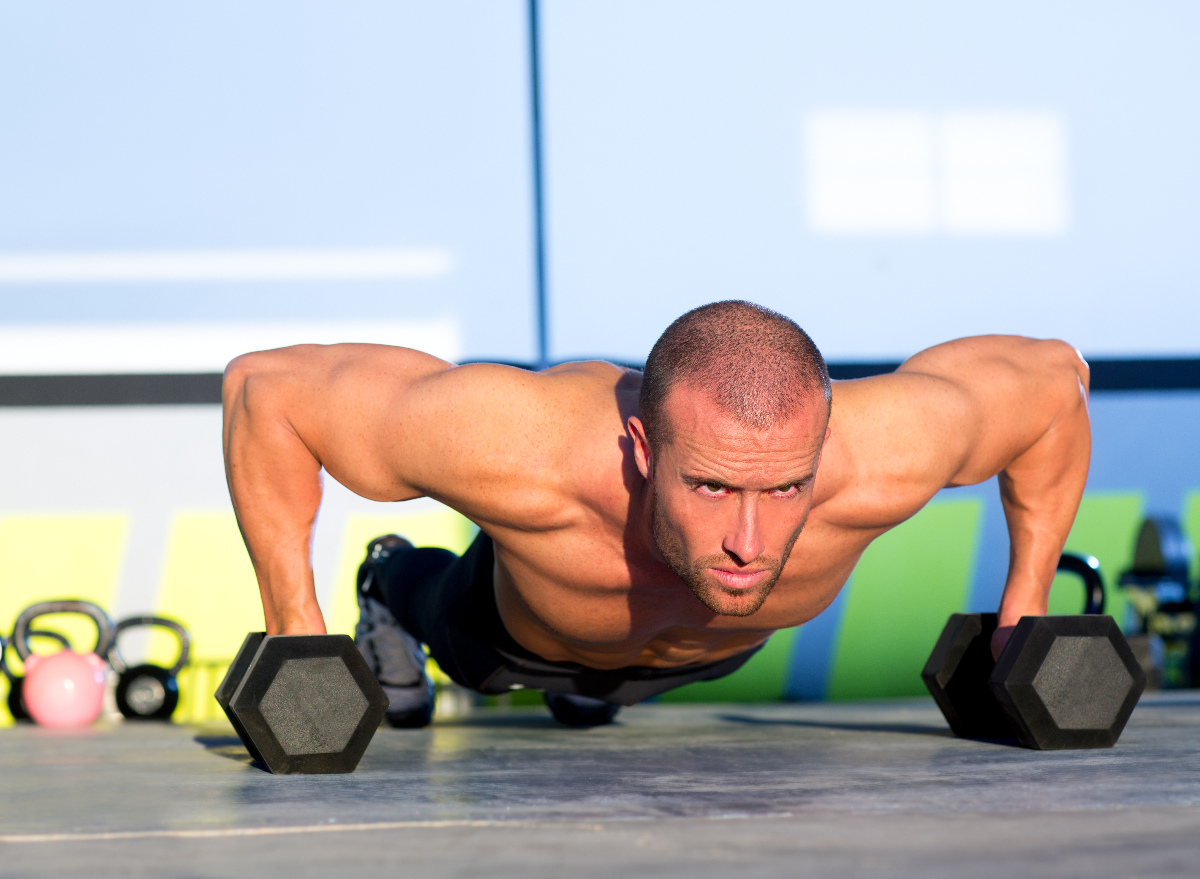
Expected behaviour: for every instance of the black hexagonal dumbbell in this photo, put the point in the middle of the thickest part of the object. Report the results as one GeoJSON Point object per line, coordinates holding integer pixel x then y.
{"type": "Point", "coordinates": [1061, 681]}
{"type": "Point", "coordinates": [302, 703]}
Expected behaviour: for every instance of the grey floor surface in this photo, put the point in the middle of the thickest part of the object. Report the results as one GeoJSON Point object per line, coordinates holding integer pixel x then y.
{"type": "Point", "coordinates": [877, 789]}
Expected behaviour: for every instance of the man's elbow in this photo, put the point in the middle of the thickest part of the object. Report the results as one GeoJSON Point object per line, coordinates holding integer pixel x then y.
{"type": "Point", "coordinates": [237, 372]}
{"type": "Point", "coordinates": [244, 371]}
{"type": "Point", "coordinates": [1068, 361]}
{"type": "Point", "coordinates": [1066, 370]}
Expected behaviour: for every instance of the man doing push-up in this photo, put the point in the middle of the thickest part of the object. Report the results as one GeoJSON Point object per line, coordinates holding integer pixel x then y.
{"type": "Point", "coordinates": [638, 530]}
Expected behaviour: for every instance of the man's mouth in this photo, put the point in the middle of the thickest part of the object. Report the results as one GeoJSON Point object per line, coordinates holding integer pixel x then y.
{"type": "Point", "coordinates": [738, 580]}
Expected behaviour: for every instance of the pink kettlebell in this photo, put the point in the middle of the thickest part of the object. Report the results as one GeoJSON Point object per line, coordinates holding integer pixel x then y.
{"type": "Point", "coordinates": [64, 688]}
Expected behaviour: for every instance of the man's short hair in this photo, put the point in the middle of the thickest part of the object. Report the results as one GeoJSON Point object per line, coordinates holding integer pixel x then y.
{"type": "Point", "coordinates": [754, 362]}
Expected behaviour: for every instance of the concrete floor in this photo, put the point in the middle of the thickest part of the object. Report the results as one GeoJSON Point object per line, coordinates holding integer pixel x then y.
{"type": "Point", "coordinates": [851, 790]}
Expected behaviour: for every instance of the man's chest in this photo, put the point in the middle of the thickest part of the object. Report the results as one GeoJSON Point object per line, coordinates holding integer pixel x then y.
{"type": "Point", "coordinates": [591, 595]}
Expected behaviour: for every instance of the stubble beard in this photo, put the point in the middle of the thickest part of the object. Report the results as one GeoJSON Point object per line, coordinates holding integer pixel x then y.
{"type": "Point", "coordinates": [708, 590]}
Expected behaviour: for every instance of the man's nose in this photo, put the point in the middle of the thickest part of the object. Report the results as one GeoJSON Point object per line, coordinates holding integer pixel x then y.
{"type": "Point", "coordinates": [745, 542]}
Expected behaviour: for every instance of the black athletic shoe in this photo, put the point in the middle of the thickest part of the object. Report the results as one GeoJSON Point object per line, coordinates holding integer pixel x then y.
{"type": "Point", "coordinates": [580, 711]}
{"type": "Point", "coordinates": [395, 656]}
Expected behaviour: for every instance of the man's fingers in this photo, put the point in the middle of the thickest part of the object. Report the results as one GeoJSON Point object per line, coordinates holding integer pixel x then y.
{"type": "Point", "coordinates": [999, 639]}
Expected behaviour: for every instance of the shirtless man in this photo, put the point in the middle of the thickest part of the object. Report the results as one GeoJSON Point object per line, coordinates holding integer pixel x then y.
{"type": "Point", "coordinates": [639, 531]}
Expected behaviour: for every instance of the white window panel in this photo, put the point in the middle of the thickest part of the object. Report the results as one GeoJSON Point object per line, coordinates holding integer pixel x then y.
{"type": "Point", "coordinates": [236, 265]}
{"type": "Point", "coordinates": [960, 173]}
{"type": "Point", "coordinates": [870, 172]}
{"type": "Point", "coordinates": [58, 349]}
{"type": "Point", "coordinates": [1003, 173]}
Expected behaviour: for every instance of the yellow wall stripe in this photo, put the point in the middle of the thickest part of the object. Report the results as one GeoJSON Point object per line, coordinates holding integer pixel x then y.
{"type": "Point", "coordinates": [50, 556]}
{"type": "Point", "coordinates": [208, 585]}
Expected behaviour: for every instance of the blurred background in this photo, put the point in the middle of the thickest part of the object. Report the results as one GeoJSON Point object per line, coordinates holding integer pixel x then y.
{"type": "Point", "coordinates": [182, 183]}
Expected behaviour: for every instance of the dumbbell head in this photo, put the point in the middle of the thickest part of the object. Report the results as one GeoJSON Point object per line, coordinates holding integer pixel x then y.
{"type": "Point", "coordinates": [957, 673]}
{"type": "Point", "coordinates": [303, 703]}
{"type": "Point", "coordinates": [229, 685]}
{"type": "Point", "coordinates": [1067, 681]}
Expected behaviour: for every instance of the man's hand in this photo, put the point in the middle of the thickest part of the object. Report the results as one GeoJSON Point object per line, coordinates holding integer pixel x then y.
{"type": "Point", "coordinates": [1000, 640]}
{"type": "Point", "coordinates": [1011, 613]}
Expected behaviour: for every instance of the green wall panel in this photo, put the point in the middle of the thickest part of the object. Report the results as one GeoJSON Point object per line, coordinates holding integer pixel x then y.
{"type": "Point", "coordinates": [1191, 524]}
{"type": "Point", "coordinates": [904, 587]}
{"type": "Point", "coordinates": [761, 679]}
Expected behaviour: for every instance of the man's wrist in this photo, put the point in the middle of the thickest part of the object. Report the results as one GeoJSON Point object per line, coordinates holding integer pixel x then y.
{"type": "Point", "coordinates": [297, 622]}
{"type": "Point", "coordinates": [1011, 612]}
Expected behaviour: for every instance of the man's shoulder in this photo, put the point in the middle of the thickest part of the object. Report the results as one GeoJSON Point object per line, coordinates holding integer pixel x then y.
{"type": "Point", "coordinates": [563, 427]}
{"type": "Point", "coordinates": [954, 414]}
{"type": "Point", "coordinates": [895, 441]}
{"type": "Point", "coordinates": [592, 397]}
{"type": "Point", "coordinates": [600, 375]}
{"type": "Point", "coordinates": [560, 399]}
{"type": "Point", "coordinates": [563, 380]}
{"type": "Point", "coordinates": [899, 409]}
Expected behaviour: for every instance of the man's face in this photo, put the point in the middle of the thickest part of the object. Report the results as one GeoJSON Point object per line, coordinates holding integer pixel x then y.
{"type": "Point", "coordinates": [729, 500]}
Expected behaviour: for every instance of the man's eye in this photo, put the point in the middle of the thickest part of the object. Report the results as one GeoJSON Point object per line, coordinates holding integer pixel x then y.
{"type": "Point", "coordinates": [713, 487]}
{"type": "Point", "coordinates": [789, 489]}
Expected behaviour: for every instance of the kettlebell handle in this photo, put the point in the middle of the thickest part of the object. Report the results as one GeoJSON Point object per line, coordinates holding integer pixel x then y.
{"type": "Point", "coordinates": [33, 633]}
{"type": "Point", "coordinates": [185, 642]}
{"type": "Point", "coordinates": [21, 632]}
{"type": "Point", "coordinates": [51, 636]}
{"type": "Point", "coordinates": [1087, 567]}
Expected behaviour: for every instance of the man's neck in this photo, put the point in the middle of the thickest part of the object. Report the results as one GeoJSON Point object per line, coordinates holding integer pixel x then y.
{"type": "Point", "coordinates": [639, 530]}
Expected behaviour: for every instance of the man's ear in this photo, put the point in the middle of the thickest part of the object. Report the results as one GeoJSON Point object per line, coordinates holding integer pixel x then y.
{"type": "Point", "coordinates": [641, 448]}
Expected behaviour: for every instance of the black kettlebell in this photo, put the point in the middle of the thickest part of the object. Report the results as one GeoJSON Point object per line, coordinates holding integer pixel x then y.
{"type": "Point", "coordinates": [1087, 568]}
{"type": "Point", "coordinates": [16, 707]}
{"type": "Point", "coordinates": [148, 692]}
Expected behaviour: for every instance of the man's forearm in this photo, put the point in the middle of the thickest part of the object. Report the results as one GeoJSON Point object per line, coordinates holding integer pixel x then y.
{"type": "Point", "coordinates": [275, 485]}
{"type": "Point", "coordinates": [1040, 491]}
{"type": "Point", "coordinates": [1036, 539]}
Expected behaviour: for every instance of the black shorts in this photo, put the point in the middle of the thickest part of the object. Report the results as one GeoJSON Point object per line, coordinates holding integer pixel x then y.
{"type": "Point", "coordinates": [449, 603]}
